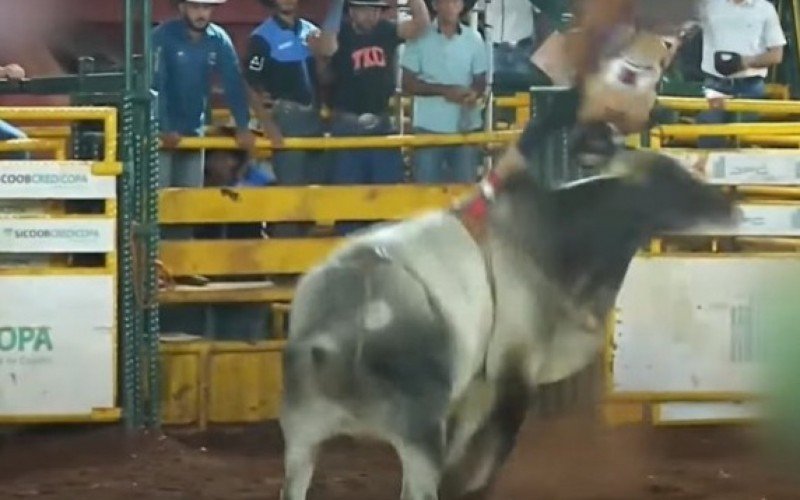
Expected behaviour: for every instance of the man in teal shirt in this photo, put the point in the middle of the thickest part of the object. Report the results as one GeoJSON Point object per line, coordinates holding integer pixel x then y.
{"type": "Point", "coordinates": [445, 70]}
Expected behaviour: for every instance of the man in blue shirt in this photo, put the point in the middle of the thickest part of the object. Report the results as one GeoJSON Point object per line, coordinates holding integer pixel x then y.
{"type": "Point", "coordinates": [280, 69]}
{"type": "Point", "coordinates": [188, 51]}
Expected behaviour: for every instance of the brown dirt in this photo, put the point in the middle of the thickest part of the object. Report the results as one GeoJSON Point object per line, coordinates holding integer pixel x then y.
{"type": "Point", "coordinates": [557, 459]}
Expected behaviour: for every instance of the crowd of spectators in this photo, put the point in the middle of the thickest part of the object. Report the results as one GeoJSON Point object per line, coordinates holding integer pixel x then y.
{"type": "Point", "coordinates": [358, 58]}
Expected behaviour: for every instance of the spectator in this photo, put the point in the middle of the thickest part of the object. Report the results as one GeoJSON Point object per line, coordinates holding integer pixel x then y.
{"type": "Point", "coordinates": [234, 168]}
{"type": "Point", "coordinates": [445, 69]}
{"type": "Point", "coordinates": [361, 71]}
{"type": "Point", "coordinates": [8, 132]}
{"type": "Point", "coordinates": [187, 51]}
{"type": "Point", "coordinates": [741, 40]}
{"type": "Point", "coordinates": [226, 168]}
{"type": "Point", "coordinates": [512, 29]}
{"type": "Point", "coordinates": [283, 89]}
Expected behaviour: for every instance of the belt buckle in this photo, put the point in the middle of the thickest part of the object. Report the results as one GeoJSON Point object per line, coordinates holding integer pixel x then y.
{"type": "Point", "coordinates": [368, 120]}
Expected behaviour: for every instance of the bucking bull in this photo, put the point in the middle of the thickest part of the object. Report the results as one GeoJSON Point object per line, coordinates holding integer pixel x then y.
{"type": "Point", "coordinates": [433, 333]}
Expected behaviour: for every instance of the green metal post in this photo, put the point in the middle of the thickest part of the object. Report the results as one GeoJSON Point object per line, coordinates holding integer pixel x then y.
{"type": "Point", "coordinates": [130, 326]}
{"type": "Point", "coordinates": [150, 184]}
{"type": "Point", "coordinates": [129, 309]}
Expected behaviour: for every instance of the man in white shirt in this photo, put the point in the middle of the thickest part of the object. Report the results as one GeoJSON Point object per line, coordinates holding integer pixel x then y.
{"type": "Point", "coordinates": [510, 24]}
{"type": "Point", "coordinates": [742, 39]}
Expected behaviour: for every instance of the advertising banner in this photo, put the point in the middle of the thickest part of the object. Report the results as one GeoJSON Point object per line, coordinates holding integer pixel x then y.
{"type": "Point", "coordinates": [45, 179]}
{"type": "Point", "coordinates": [773, 167]}
{"type": "Point", "coordinates": [701, 325]}
{"type": "Point", "coordinates": [756, 220]}
{"type": "Point", "coordinates": [41, 235]}
{"type": "Point", "coordinates": [56, 345]}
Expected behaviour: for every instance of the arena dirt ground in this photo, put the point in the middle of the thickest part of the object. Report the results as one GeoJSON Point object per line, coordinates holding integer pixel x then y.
{"type": "Point", "coordinates": [556, 459]}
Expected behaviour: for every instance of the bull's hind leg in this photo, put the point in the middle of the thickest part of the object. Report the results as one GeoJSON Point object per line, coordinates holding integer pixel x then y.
{"type": "Point", "coordinates": [304, 428]}
{"type": "Point", "coordinates": [422, 459]}
{"type": "Point", "coordinates": [300, 454]}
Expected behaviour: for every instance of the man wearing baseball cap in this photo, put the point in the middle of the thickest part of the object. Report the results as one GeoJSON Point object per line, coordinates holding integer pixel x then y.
{"type": "Point", "coordinates": [361, 71]}
{"type": "Point", "coordinates": [188, 50]}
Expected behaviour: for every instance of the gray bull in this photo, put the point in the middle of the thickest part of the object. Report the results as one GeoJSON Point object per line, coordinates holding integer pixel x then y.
{"type": "Point", "coordinates": [431, 335]}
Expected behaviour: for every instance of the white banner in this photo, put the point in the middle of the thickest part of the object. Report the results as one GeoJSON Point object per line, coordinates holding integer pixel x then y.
{"type": "Point", "coordinates": [756, 220]}
{"type": "Point", "coordinates": [702, 412]}
{"type": "Point", "coordinates": [35, 235]}
{"type": "Point", "coordinates": [56, 345]}
{"type": "Point", "coordinates": [773, 167]}
{"type": "Point", "coordinates": [701, 324]}
{"type": "Point", "coordinates": [45, 179]}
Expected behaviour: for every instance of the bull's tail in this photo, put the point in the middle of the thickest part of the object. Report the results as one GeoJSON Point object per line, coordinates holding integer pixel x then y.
{"type": "Point", "coordinates": [318, 365]}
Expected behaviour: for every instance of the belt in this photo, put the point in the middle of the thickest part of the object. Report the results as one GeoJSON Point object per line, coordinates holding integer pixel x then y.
{"type": "Point", "coordinates": [292, 105]}
{"type": "Point", "coordinates": [728, 79]}
{"type": "Point", "coordinates": [366, 120]}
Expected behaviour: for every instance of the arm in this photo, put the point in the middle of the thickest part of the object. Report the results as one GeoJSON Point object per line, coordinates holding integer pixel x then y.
{"type": "Point", "coordinates": [412, 84]}
{"type": "Point", "coordinates": [160, 79]}
{"type": "Point", "coordinates": [324, 67]}
{"type": "Point", "coordinates": [419, 22]}
{"type": "Point", "coordinates": [480, 67]}
{"type": "Point", "coordinates": [257, 60]}
{"type": "Point", "coordinates": [772, 37]}
{"type": "Point", "coordinates": [326, 45]}
{"type": "Point", "coordinates": [233, 84]}
{"type": "Point", "coordinates": [772, 57]}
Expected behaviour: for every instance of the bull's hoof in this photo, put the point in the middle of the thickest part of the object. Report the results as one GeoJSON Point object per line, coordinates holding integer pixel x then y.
{"type": "Point", "coordinates": [481, 494]}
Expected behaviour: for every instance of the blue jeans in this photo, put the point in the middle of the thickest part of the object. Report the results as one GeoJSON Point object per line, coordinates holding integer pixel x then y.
{"type": "Point", "coordinates": [9, 132]}
{"type": "Point", "coordinates": [363, 166]}
{"type": "Point", "coordinates": [445, 164]}
{"type": "Point", "coordinates": [296, 167]}
{"type": "Point", "coordinates": [746, 88]}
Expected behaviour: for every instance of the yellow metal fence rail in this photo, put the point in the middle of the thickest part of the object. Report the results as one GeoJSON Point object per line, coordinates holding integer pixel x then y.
{"type": "Point", "coordinates": [108, 115]}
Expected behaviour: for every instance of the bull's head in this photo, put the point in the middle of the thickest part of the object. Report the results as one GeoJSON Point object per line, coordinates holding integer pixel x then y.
{"type": "Point", "coordinates": [597, 224]}
{"type": "Point", "coordinates": [584, 235]}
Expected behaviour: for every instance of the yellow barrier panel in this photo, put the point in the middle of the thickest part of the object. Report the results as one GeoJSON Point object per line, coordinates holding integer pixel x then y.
{"type": "Point", "coordinates": [312, 203]}
{"type": "Point", "coordinates": [108, 115]}
{"type": "Point", "coordinates": [789, 244]}
{"type": "Point", "coordinates": [725, 129]}
{"type": "Point", "coordinates": [788, 141]}
{"type": "Point", "coordinates": [47, 132]}
{"type": "Point", "coordinates": [217, 293]}
{"type": "Point", "coordinates": [237, 257]}
{"type": "Point", "coordinates": [520, 101]}
{"type": "Point", "coordinates": [390, 141]}
{"type": "Point", "coordinates": [57, 147]}
{"type": "Point", "coordinates": [780, 194]}
{"type": "Point", "coordinates": [762, 106]}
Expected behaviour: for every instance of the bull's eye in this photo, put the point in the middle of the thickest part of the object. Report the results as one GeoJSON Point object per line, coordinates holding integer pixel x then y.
{"type": "Point", "coordinates": [627, 76]}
